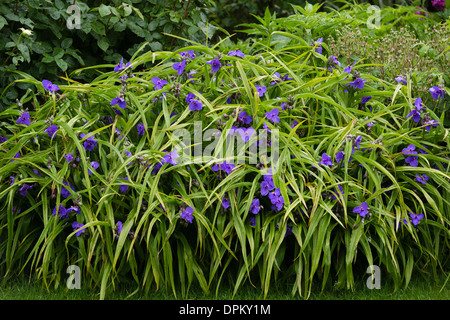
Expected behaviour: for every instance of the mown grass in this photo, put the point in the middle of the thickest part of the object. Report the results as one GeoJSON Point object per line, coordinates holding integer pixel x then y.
{"type": "Point", "coordinates": [420, 288]}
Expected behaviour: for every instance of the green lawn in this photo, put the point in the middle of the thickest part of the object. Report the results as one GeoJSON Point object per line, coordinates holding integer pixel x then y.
{"type": "Point", "coordinates": [419, 289]}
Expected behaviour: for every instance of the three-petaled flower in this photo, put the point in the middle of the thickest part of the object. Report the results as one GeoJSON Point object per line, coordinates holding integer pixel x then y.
{"type": "Point", "coordinates": [326, 160]}
{"type": "Point", "coordinates": [401, 79]}
{"type": "Point", "coordinates": [319, 47]}
{"type": "Point", "coordinates": [215, 65]}
{"type": "Point", "coordinates": [236, 53]}
{"type": "Point", "coordinates": [436, 92]}
{"type": "Point", "coordinates": [195, 105]}
{"type": "Point", "coordinates": [224, 166]}
{"type": "Point", "coordinates": [261, 90]}
{"type": "Point", "coordinates": [411, 160]}
{"type": "Point", "coordinates": [24, 189]}
{"type": "Point", "coordinates": [423, 178]}
{"type": "Point", "coordinates": [357, 83]}
{"type": "Point", "coordinates": [363, 209]}
{"type": "Point", "coordinates": [51, 131]}
{"type": "Point", "coordinates": [24, 119]}
{"type": "Point", "coordinates": [273, 115]}
{"type": "Point", "coordinates": [187, 214]}
{"type": "Point", "coordinates": [79, 227]}
{"type": "Point", "coordinates": [158, 83]}
{"type": "Point", "coordinates": [179, 67]}
{"type": "Point", "coordinates": [121, 67]}
{"type": "Point", "coordinates": [48, 85]}
{"type": "Point", "coordinates": [119, 101]}
{"type": "Point", "coordinates": [89, 144]}
{"type": "Point", "coordinates": [255, 206]}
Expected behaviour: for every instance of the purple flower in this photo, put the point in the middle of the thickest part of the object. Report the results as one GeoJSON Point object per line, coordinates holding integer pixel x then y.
{"type": "Point", "coordinates": [119, 226]}
{"type": "Point", "coordinates": [430, 123]}
{"type": "Point", "coordinates": [438, 4]}
{"type": "Point", "coordinates": [418, 104]}
{"type": "Point", "coordinates": [334, 60]}
{"type": "Point", "coordinates": [358, 83]}
{"type": "Point", "coordinates": [79, 227]}
{"type": "Point", "coordinates": [140, 129]}
{"type": "Point", "coordinates": [187, 214]}
{"type": "Point", "coordinates": [277, 78]}
{"type": "Point", "coordinates": [276, 199]}
{"type": "Point", "coordinates": [69, 157]}
{"type": "Point", "coordinates": [356, 143]}
{"type": "Point", "coordinates": [94, 166]}
{"type": "Point", "coordinates": [224, 166]}
{"type": "Point", "coordinates": [170, 157]}
{"type": "Point", "coordinates": [334, 196]}
{"type": "Point", "coordinates": [365, 99]}
{"type": "Point", "coordinates": [187, 54]}
{"type": "Point", "coordinates": [274, 195]}
{"type": "Point", "coordinates": [61, 211]}
{"type": "Point", "coordinates": [51, 131]}
{"type": "Point", "coordinates": [326, 160]}
{"type": "Point", "coordinates": [267, 185]}
{"type": "Point", "coordinates": [413, 161]}
{"type": "Point", "coordinates": [159, 83]}
{"type": "Point", "coordinates": [436, 92]}
{"type": "Point", "coordinates": [245, 118]}
{"type": "Point", "coordinates": [246, 134]}
{"type": "Point", "coordinates": [64, 192]}
{"type": "Point", "coordinates": [252, 220]}
{"type": "Point", "coordinates": [273, 115]}
{"type": "Point", "coordinates": [123, 187]}
{"type": "Point", "coordinates": [415, 218]}
{"type": "Point", "coordinates": [255, 207]}
{"type": "Point", "coordinates": [409, 149]}
{"type": "Point", "coordinates": [236, 53]}
{"type": "Point", "coordinates": [74, 209]}
{"type": "Point", "coordinates": [415, 114]}
{"type": "Point", "coordinates": [423, 178]}
{"type": "Point", "coordinates": [120, 66]}
{"type": "Point", "coordinates": [215, 65]}
{"type": "Point", "coordinates": [195, 105]}
{"type": "Point", "coordinates": [49, 86]}
{"type": "Point", "coordinates": [363, 209]}
{"type": "Point", "coordinates": [319, 48]}
{"type": "Point", "coordinates": [190, 96]}
{"type": "Point", "coordinates": [120, 101]}
{"type": "Point", "coordinates": [340, 156]}
{"type": "Point", "coordinates": [179, 67]}
{"type": "Point", "coordinates": [12, 180]}
{"type": "Point", "coordinates": [24, 189]}
{"type": "Point", "coordinates": [24, 119]}
{"type": "Point", "coordinates": [349, 68]}
{"type": "Point", "coordinates": [3, 139]}
{"type": "Point", "coordinates": [225, 202]}
{"type": "Point", "coordinates": [401, 79]}
{"type": "Point", "coordinates": [261, 90]}
{"type": "Point", "coordinates": [89, 144]}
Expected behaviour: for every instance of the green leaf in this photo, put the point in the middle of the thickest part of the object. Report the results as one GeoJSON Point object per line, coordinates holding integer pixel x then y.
{"type": "Point", "coordinates": [3, 22]}
{"type": "Point", "coordinates": [103, 43]}
{"type": "Point", "coordinates": [104, 10]}
{"type": "Point", "coordinates": [66, 43]}
{"type": "Point", "coordinates": [98, 27]}
{"type": "Point", "coordinates": [61, 64]}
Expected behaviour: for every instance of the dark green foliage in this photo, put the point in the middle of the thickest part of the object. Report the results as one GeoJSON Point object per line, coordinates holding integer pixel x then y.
{"type": "Point", "coordinates": [108, 32]}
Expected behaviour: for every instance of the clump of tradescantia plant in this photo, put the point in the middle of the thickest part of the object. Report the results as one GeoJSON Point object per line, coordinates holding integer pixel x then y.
{"type": "Point", "coordinates": [93, 174]}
